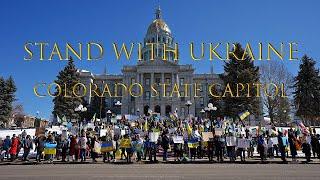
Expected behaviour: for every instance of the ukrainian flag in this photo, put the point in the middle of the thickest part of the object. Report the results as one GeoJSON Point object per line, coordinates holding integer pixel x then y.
{"type": "Point", "coordinates": [50, 148]}
{"type": "Point", "coordinates": [106, 146]}
{"type": "Point", "coordinates": [243, 115]}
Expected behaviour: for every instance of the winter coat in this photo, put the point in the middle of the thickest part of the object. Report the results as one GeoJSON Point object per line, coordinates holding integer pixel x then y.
{"type": "Point", "coordinates": [14, 146]}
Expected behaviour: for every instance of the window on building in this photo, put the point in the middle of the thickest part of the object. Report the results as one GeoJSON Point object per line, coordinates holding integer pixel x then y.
{"type": "Point", "coordinates": [147, 95]}
{"type": "Point", "coordinates": [158, 80]}
{"type": "Point", "coordinates": [168, 80]}
{"type": "Point", "coordinates": [201, 101]}
{"type": "Point", "coordinates": [182, 96]}
{"type": "Point", "coordinates": [133, 80]}
{"type": "Point", "coordinates": [181, 81]}
{"type": "Point", "coordinates": [183, 111]}
{"type": "Point", "coordinates": [147, 81]}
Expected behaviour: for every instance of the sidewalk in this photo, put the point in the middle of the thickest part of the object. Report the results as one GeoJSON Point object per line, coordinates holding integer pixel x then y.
{"type": "Point", "coordinates": [254, 160]}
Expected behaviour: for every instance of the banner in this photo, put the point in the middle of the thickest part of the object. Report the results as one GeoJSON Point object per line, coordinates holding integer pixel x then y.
{"type": "Point", "coordinates": [231, 141]}
{"type": "Point", "coordinates": [207, 136]}
{"type": "Point", "coordinates": [106, 146]}
{"type": "Point", "coordinates": [178, 139]}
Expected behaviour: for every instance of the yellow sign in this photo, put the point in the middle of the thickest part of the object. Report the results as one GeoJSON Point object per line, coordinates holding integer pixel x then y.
{"type": "Point", "coordinates": [125, 143]}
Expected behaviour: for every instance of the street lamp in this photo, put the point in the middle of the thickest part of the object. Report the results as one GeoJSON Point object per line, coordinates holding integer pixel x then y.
{"type": "Point", "coordinates": [80, 109]}
{"type": "Point", "coordinates": [188, 104]}
{"type": "Point", "coordinates": [118, 104]}
{"type": "Point", "coordinates": [138, 112]}
{"type": "Point", "coordinates": [211, 109]}
{"type": "Point", "coordinates": [109, 115]}
{"type": "Point", "coordinates": [202, 113]}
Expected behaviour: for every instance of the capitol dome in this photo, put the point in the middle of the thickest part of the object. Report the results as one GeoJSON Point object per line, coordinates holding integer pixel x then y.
{"type": "Point", "coordinates": [158, 25]}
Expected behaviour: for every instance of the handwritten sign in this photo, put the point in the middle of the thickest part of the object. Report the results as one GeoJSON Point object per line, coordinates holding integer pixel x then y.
{"type": "Point", "coordinates": [154, 136]}
{"type": "Point", "coordinates": [218, 131]}
{"type": "Point", "coordinates": [231, 141]}
{"type": "Point", "coordinates": [275, 140]}
{"type": "Point", "coordinates": [243, 143]}
{"type": "Point", "coordinates": [178, 139]}
{"type": "Point", "coordinates": [206, 136]}
{"type": "Point", "coordinates": [125, 143]}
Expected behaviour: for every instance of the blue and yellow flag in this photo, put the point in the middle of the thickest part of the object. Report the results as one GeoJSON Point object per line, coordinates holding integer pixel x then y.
{"type": "Point", "coordinates": [243, 115]}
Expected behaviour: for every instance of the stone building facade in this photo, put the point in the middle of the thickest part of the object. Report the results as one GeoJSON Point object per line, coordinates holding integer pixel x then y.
{"type": "Point", "coordinates": [148, 72]}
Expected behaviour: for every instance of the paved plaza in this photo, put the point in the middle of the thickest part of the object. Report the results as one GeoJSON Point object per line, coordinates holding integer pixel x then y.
{"type": "Point", "coordinates": [161, 171]}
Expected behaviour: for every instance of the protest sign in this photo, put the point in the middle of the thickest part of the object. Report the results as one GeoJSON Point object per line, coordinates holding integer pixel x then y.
{"type": "Point", "coordinates": [231, 141]}
{"type": "Point", "coordinates": [193, 144]}
{"type": "Point", "coordinates": [275, 140]}
{"type": "Point", "coordinates": [206, 136]}
{"type": "Point", "coordinates": [243, 143]}
{"type": "Point", "coordinates": [218, 131]}
{"type": "Point", "coordinates": [123, 132]}
{"type": "Point", "coordinates": [125, 143]}
{"type": "Point", "coordinates": [178, 139]}
{"type": "Point", "coordinates": [154, 136]}
{"type": "Point", "coordinates": [97, 147]}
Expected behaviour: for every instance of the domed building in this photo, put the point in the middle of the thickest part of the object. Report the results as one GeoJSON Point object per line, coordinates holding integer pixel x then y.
{"type": "Point", "coordinates": [156, 71]}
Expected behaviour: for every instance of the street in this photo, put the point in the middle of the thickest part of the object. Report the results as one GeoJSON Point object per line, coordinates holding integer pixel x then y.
{"type": "Point", "coordinates": [160, 171]}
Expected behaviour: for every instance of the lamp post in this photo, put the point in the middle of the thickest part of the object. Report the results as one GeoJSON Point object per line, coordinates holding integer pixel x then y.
{"type": "Point", "coordinates": [211, 109]}
{"type": "Point", "coordinates": [81, 109]}
{"type": "Point", "coordinates": [188, 104]}
{"type": "Point", "coordinates": [109, 116]}
{"type": "Point", "coordinates": [138, 112]}
{"type": "Point", "coordinates": [202, 113]}
{"type": "Point", "coordinates": [118, 104]}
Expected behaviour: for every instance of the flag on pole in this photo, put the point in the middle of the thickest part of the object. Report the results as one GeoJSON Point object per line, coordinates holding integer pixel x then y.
{"type": "Point", "coordinates": [243, 115]}
{"type": "Point", "coordinates": [93, 118]}
{"type": "Point", "coordinates": [189, 129]}
{"type": "Point", "coordinates": [64, 118]}
{"type": "Point", "coordinates": [58, 119]}
{"type": "Point", "coordinates": [146, 126]}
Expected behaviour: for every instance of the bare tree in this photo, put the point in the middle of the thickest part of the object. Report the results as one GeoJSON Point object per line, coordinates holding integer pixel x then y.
{"type": "Point", "coordinates": [276, 107]}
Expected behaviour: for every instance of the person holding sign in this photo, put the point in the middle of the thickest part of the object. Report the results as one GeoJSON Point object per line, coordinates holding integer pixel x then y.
{"type": "Point", "coordinates": [231, 146]}
{"type": "Point", "coordinates": [242, 145]}
{"type": "Point", "coordinates": [106, 148]}
{"type": "Point", "coordinates": [165, 144]}
{"type": "Point", "coordinates": [125, 145]}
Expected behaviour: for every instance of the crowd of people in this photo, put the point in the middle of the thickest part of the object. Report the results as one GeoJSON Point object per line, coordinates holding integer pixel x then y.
{"type": "Point", "coordinates": [147, 139]}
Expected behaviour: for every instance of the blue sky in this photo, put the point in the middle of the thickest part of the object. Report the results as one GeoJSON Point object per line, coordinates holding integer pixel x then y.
{"type": "Point", "coordinates": [127, 21]}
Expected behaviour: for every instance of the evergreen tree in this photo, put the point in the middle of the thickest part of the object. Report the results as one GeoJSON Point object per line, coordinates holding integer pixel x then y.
{"type": "Point", "coordinates": [241, 71]}
{"type": "Point", "coordinates": [65, 105]}
{"type": "Point", "coordinates": [98, 106]}
{"type": "Point", "coordinates": [7, 97]}
{"type": "Point", "coordinates": [307, 90]}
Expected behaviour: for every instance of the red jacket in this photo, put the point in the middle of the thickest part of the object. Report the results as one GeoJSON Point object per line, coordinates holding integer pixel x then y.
{"type": "Point", "coordinates": [14, 146]}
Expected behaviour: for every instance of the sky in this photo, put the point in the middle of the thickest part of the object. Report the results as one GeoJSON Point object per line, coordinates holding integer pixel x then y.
{"type": "Point", "coordinates": [127, 21]}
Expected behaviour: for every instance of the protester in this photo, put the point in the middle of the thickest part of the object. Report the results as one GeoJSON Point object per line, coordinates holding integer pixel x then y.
{"type": "Point", "coordinates": [27, 146]}
{"type": "Point", "coordinates": [83, 147]}
{"type": "Point", "coordinates": [15, 143]}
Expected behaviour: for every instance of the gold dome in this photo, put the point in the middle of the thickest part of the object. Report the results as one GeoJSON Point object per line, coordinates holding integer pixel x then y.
{"type": "Point", "coordinates": [158, 25]}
